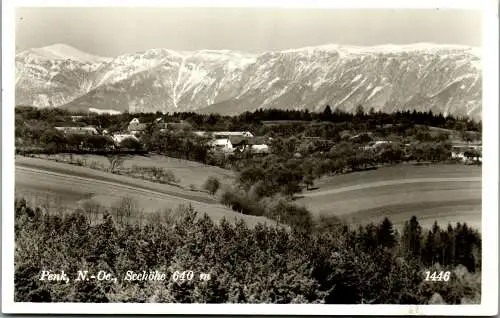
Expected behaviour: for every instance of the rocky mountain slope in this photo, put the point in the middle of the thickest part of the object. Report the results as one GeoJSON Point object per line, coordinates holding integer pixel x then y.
{"type": "Point", "coordinates": [444, 79]}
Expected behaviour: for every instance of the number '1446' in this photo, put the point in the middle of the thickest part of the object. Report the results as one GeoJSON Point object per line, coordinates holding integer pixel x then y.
{"type": "Point", "coordinates": [437, 276]}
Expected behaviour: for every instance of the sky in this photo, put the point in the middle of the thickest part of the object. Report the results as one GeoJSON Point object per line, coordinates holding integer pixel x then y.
{"type": "Point", "coordinates": [111, 31]}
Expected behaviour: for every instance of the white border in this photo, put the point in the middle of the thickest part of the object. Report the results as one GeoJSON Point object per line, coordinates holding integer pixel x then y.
{"type": "Point", "coordinates": [338, 4]}
{"type": "Point", "coordinates": [489, 304]}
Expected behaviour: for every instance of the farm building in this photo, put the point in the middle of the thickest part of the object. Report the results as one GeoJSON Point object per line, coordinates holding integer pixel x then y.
{"type": "Point", "coordinates": [223, 134]}
{"type": "Point", "coordinates": [230, 143]}
{"type": "Point", "coordinates": [136, 127]}
{"type": "Point", "coordinates": [89, 130]}
{"type": "Point", "coordinates": [239, 143]}
{"type": "Point", "coordinates": [223, 145]}
{"type": "Point", "coordinates": [258, 145]}
{"type": "Point", "coordinates": [233, 133]}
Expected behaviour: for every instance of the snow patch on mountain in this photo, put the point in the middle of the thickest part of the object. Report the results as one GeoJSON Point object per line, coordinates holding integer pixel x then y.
{"type": "Point", "coordinates": [374, 91]}
{"type": "Point", "coordinates": [61, 51]}
{"type": "Point", "coordinates": [355, 79]}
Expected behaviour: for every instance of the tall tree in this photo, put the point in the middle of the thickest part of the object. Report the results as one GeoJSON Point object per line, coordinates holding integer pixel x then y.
{"type": "Point", "coordinates": [432, 250]}
{"type": "Point", "coordinates": [360, 111]}
{"type": "Point", "coordinates": [412, 238]}
{"type": "Point", "coordinates": [327, 113]}
{"type": "Point", "coordinates": [385, 234]}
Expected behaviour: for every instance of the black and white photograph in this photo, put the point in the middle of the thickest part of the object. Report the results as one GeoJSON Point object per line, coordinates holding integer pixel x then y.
{"type": "Point", "coordinates": [264, 155]}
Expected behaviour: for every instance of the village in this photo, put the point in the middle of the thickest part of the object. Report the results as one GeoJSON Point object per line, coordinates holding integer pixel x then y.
{"type": "Point", "coordinates": [232, 142]}
{"type": "Point", "coordinates": [226, 142]}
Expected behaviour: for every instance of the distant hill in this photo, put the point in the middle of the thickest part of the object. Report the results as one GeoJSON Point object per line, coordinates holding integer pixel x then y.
{"type": "Point", "coordinates": [442, 78]}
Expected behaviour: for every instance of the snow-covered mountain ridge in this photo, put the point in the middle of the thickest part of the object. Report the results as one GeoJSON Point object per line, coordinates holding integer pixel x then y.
{"type": "Point", "coordinates": [422, 76]}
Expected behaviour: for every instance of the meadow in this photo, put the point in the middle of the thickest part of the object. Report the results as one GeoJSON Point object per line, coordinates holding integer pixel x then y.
{"type": "Point", "coordinates": [60, 185]}
{"type": "Point", "coordinates": [446, 193]}
{"type": "Point", "coordinates": [188, 172]}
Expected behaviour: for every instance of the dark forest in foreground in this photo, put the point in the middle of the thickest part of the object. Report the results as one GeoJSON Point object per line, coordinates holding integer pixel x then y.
{"type": "Point", "coordinates": [326, 263]}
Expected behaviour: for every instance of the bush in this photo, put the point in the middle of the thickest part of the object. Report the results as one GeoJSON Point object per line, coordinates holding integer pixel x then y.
{"type": "Point", "coordinates": [212, 184]}
{"type": "Point", "coordinates": [131, 144]}
{"type": "Point", "coordinates": [115, 162]}
{"type": "Point", "coordinates": [169, 176]}
{"type": "Point", "coordinates": [257, 191]}
{"type": "Point", "coordinates": [240, 202]}
{"type": "Point", "coordinates": [298, 217]}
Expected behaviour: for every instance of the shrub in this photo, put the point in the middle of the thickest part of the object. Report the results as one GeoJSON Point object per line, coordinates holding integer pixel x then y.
{"type": "Point", "coordinates": [240, 202]}
{"type": "Point", "coordinates": [131, 144]}
{"type": "Point", "coordinates": [115, 162]}
{"type": "Point", "coordinates": [169, 176]}
{"type": "Point", "coordinates": [257, 191]}
{"type": "Point", "coordinates": [298, 217]}
{"type": "Point", "coordinates": [212, 184]}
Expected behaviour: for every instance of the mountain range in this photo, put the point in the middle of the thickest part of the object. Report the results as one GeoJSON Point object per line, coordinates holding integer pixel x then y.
{"type": "Point", "coordinates": [442, 78]}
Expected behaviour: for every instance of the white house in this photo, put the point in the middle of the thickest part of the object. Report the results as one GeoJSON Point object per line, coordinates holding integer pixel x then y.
{"type": "Point", "coordinates": [223, 145]}
{"type": "Point", "coordinates": [136, 127]}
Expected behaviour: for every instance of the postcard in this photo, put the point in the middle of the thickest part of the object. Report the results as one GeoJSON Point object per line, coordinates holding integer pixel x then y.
{"type": "Point", "coordinates": [250, 157]}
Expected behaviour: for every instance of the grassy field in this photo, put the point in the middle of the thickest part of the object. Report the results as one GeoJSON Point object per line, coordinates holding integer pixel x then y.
{"type": "Point", "coordinates": [446, 193]}
{"type": "Point", "coordinates": [188, 172]}
{"type": "Point", "coordinates": [59, 184]}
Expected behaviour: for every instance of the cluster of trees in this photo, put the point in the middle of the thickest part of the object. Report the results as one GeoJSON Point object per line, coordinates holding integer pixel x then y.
{"type": "Point", "coordinates": [54, 141]}
{"type": "Point", "coordinates": [295, 164]}
{"type": "Point", "coordinates": [330, 263]}
{"type": "Point", "coordinates": [177, 144]}
{"type": "Point", "coordinates": [256, 202]}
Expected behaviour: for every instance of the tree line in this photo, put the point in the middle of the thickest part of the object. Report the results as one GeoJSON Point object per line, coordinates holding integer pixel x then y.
{"type": "Point", "coordinates": [253, 121]}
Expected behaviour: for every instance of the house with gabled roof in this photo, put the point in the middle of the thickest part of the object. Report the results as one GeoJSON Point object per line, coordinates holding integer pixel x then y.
{"type": "Point", "coordinates": [136, 127]}
{"type": "Point", "coordinates": [223, 134]}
